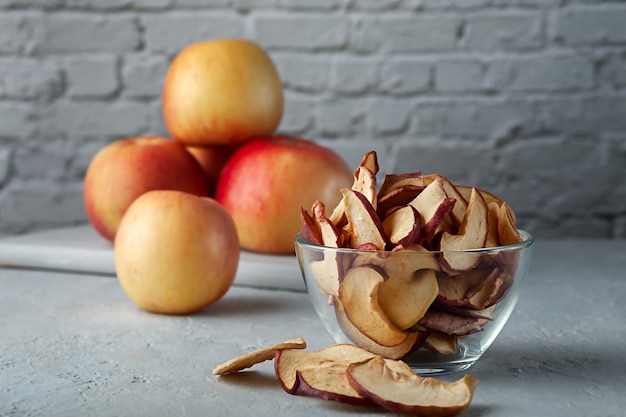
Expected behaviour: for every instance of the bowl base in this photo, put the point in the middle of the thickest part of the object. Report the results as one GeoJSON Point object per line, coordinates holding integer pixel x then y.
{"type": "Point", "coordinates": [425, 369]}
{"type": "Point", "coordinates": [427, 363]}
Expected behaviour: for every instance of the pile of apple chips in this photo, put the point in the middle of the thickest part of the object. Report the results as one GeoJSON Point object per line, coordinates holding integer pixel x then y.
{"type": "Point", "coordinates": [350, 374]}
{"type": "Point", "coordinates": [430, 286]}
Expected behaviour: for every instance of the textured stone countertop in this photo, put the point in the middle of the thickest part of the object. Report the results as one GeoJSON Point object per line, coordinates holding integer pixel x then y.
{"type": "Point", "coordinates": [72, 344]}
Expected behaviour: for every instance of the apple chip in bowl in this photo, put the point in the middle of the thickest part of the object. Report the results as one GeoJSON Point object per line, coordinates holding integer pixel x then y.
{"type": "Point", "coordinates": [418, 269]}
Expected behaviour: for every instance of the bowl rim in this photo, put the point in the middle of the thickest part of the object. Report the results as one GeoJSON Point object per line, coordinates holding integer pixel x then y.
{"type": "Point", "coordinates": [527, 241]}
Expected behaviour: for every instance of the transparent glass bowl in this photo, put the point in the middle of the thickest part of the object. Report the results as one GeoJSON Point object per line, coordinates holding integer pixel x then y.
{"type": "Point", "coordinates": [467, 312]}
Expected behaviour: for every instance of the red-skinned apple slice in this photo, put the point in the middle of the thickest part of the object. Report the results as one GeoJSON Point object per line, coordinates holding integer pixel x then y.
{"type": "Point", "coordinates": [487, 292]}
{"type": "Point", "coordinates": [370, 161]}
{"type": "Point", "coordinates": [451, 324]}
{"type": "Point", "coordinates": [403, 226]}
{"type": "Point", "coordinates": [329, 234]}
{"type": "Point", "coordinates": [309, 228]}
{"type": "Point", "coordinates": [455, 289]}
{"type": "Point", "coordinates": [486, 313]}
{"type": "Point", "coordinates": [458, 212]}
{"type": "Point", "coordinates": [362, 180]}
{"type": "Point", "coordinates": [472, 235]}
{"type": "Point", "coordinates": [413, 341]}
{"type": "Point", "coordinates": [394, 386]}
{"type": "Point", "coordinates": [398, 197]}
{"type": "Point", "coordinates": [359, 296]}
{"type": "Point", "coordinates": [363, 222]}
{"type": "Point", "coordinates": [321, 373]}
{"type": "Point", "coordinates": [434, 206]}
{"type": "Point", "coordinates": [395, 181]}
{"type": "Point", "coordinates": [288, 363]}
{"type": "Point", "coordinates": [441, 343]}
{"type": "Point", "coordinates": [365, 183]}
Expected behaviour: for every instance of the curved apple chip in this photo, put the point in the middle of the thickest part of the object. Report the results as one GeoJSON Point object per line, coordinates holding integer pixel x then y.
{"type": "Point", "coordinates": [260, 355]}
{"type": "Point", "coordinates": [394, 386]}
{"type": "Point", "coordinates": [309, 228]}
{"type": "Point", "coordinates": [441, 343]}
{"type": "Point", "coordinates": [507, 232]}
{"type": "Point", "coordinates": [397, 197]}
{"type": "Point", "coordinates": [393, 182]}
{"type": "Point", "coordinates": [365, 183]}
{"type": "Point", "coordinates": [321, 373]}
{"type": "Point", "coordinates": [412, 342]}
{"type": "Point", "coordinates": [363, 222]}
{"type": "Point", "coordinates": [403, 226]}
{"type": "Point", "coordinates": [472, 235]}
{"type": "Point", "coordinates": [406, 297]}
{"type": "Point", "coordinates": [358, 293]}
{"type": "Point", "coordinates": [434, 205]}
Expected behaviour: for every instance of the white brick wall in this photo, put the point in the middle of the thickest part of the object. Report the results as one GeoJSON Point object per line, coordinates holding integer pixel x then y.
{"type": "Point", "coordinates": [524, 97]}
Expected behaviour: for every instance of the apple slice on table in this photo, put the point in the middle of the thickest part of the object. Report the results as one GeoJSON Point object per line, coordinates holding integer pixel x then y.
{"type": "Point", "coordinates": [472, 235]}
{"type": "Point", "coordinates": [412, 342]}
{"type": "Point", "coordinates": [394, 386]}
{"type": "Point", "coordinates": [363, 225]}
{"type": "Point", "coordinates": [321, 373]}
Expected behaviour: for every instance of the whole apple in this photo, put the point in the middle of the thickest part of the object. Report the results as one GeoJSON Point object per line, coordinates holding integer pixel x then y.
{"type": "Point", "coordinates": [175, 252]}
{"type": "Point", "coordinates": [268, 180]}
{"type": "Point", "coordinates": [123, 170]}
{"type": "Point", "coordinates": [222, 92]}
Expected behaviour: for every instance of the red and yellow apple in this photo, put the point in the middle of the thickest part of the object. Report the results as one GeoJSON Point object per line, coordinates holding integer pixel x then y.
{"type": "Point", "coordinates": [175, 252]}
{"type": "Point", "coordinates": [268, 180]}
{"type": "Point", "coordinates": [222, 92]}
{"type": "Point", "coordinates": [123, 170]}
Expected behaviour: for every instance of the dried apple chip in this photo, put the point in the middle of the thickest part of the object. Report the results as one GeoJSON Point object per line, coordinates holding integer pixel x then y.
{"type": "Point", "coordinates": [472, 235]}
{"type": "Point", "coordinates": [321, 373]}
{"type": "Point", "coordinates": [260, 355]}
{"type": "Point", "coordinates": [394, 386]}
{"type": "Point", "coordinates": [358, 293]}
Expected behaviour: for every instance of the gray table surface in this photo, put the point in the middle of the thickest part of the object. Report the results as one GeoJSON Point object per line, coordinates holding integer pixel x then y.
{"type": "Point", "coordinates": [74, 345]}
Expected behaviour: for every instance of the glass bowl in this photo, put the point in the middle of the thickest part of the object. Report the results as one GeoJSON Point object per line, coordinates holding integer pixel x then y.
{"type": "Point", "coordinates": [411, 305]}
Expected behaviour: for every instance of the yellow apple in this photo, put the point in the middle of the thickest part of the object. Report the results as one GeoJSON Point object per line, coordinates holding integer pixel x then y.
{"type": "Point", "coordinates": [123, 170]}
{"type": "Point", "coordinates": [222, 92]}
{"type": "Point", "coordinates": [268, 180]}
{"type": "Point", "coordinates": [175, 252]}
